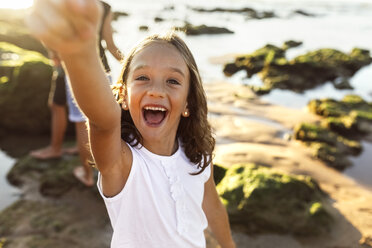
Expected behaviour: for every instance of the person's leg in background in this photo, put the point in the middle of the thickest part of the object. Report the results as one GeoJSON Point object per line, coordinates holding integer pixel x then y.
{"type": "Point", "coordinates": [83, 172]}
{"type": "Point", "coordinates": [57, 105]}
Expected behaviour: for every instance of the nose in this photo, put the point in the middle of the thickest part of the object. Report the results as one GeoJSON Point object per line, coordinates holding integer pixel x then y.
{"type": "Point", "coordinates": [157, 90]}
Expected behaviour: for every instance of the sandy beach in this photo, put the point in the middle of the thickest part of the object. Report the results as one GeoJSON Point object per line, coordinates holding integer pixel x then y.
{"type": "Point", "coordinates": [250, 130]}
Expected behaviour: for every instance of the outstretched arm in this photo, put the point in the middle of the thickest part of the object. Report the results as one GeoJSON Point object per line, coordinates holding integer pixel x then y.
{"type": "Point", "coordinates": [216, 214]}
{"type": "Point", "coordinates": [70, 28]}
{"type": "Point", "coordinates": [107, 34]}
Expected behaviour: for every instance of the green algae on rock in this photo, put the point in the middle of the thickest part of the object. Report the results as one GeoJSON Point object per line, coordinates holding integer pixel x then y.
{"type": "Point", "coordinates": [26, 90]}
{"type": "Point", "coordinates": [190, 29]}
{"type": "Point", "coordinates": [350, 117]}
{"type": "Point", "coordinates": [254, 62]}
{"type": "Point", "coordinates": [328, 146]}
{"type": "Point", "coordinates": [264, 200]}
{"type": "Point", "coordinates": [251, 13]}
{"type": "Point", "coordinates": [303, 72]}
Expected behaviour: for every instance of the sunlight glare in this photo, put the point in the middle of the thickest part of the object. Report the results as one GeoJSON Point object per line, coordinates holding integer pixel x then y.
{"type": "Point", "coordinates": [15, 4]}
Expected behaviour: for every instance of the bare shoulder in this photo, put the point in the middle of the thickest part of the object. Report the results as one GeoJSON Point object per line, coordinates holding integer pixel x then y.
{"type": "Point", "coordinates": [114, 181]}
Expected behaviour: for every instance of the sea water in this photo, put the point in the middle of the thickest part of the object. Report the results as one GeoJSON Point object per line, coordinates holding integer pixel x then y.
{"type": "Point", "coordinates": [8, 193]}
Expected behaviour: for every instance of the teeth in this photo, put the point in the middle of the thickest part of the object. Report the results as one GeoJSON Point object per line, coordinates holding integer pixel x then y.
{"type": "Point", "coordinates": [155, 108]}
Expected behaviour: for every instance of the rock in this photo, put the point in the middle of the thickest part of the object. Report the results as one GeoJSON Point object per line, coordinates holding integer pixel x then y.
{"type": "Point", "coordinates": [330, 155]}
{"type": "Point", "coordinates": [254, 62]}
{"type": "Point", "coordinates": [54, 176]}
{"type": "Point", "coordinates": [303, 72]}
{"type": "Point", "coordinates": [117, 14]}
{"type": "Point", "coordinates": [25, 90]}
{"type": "Point", "coordinates": [350, 117]}
{"type": "Point", "coordinates": [45, 224]}
{"type": "Point", "coordinates": [158, 19]}
{"type": "Point", "coordinates": [342, 84]}
{"type": "Point", "coordinates": [312, 69]}
{"type": "Point", "coordinates": [291, 44]}
{"type": "Point", "coordinates": [264, 200]}
{"type": "Point", "coordinates": [169, 7]}
{"type": "Point", "coordinates": [260, 90]}
{"type": "Point", "coordinates": [143, 28]}
{"type": "Point", "coordinates": [251, 13]}
{"type": "Point", "coordinates": [327, 145]}
{"type": "Point", "coordinates": [304, 13]}
{"type": "Point", "coordinates": [190, 29]}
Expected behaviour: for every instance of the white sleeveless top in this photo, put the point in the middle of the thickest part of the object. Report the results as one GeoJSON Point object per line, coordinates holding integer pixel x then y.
{"type": "Point", "coordinates": [160, 205]}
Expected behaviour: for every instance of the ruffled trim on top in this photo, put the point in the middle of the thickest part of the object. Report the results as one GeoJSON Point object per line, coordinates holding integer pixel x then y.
{"type": "Point", "coordinates": [178, 194]}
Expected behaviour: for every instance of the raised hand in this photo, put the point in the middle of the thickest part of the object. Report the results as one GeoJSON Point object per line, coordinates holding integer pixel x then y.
{"type": "Point", "coordinates": [69, 27]}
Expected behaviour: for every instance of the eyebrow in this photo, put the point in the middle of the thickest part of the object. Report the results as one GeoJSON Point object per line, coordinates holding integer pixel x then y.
{"type": "Point", "coordinates": [175, 69]}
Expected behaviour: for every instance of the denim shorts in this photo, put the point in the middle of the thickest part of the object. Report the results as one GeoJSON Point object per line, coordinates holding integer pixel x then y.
{"type": "Point", "coordinates": [74, 112]}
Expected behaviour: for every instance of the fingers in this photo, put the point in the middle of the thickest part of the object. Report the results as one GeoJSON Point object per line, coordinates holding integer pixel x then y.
{"type": "Point", "coordinates": [68, 19]}
{"type": "Point", "coordinates": [87, 15]}
{"type": "Point", "coordinates": [38, 28]}
{"type": "Point", "coordinates": [55, 22]}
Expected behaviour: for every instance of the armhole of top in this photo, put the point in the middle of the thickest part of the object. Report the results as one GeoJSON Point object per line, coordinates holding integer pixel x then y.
{"type": "Point", "coordinates": [127, 184]}
{"type": "Point", "coordinates": [207, 173]}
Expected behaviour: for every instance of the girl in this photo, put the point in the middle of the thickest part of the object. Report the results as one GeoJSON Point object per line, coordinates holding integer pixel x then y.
{"type": "Point", "coordinates": [154, 152]}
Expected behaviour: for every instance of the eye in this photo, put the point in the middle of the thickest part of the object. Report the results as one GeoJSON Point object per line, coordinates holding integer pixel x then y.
{"type": "Point", "coordinates": [173, 81]}
{"type": "Point", "coordinates": [142, 78]}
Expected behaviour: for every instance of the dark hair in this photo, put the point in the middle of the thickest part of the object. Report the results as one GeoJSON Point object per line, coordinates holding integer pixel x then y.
{"type": "Point", "coordinates": [194, 131]}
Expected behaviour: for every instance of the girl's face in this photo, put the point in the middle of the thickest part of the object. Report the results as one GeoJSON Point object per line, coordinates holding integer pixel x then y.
{"type": "Point", "coordinates": [157, 90]}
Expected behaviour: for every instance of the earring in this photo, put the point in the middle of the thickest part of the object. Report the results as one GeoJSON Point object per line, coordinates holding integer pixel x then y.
{"type": "Point", "coordinates": [125, 105]}
{"type": "Point", "coordinates": [186, 113]}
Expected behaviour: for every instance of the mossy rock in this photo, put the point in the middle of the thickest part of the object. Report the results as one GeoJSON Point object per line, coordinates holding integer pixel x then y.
{"type": "Point", "coordinates": [350, 117]}
{"type": "Point", "coordinates": [291, 44]}
{"type": "Point", "coordinates": [26, 90]}
{"type": "Point", "coordinates": [249, 12]}
{"type": "Point", "coordinates": [254, 62]}
{"type": "Point", "coordinates": [330, 154]}
{"type": "Point", "coordinates": [264, 200]}
{"type": "Point", "coordinates": [327, 145]}
{"type": "Point", "coordinates": [54, 176]}
{"type": "Point", "coordinates": [315, 68]}
{"type": "Point", "coordinates": [304, 72]}
{"type": "Point", "coordinates": [190, 29]}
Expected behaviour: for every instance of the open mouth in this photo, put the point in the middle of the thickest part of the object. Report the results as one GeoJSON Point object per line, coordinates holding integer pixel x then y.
{"type": "Point", "coordinates": [154, 116]}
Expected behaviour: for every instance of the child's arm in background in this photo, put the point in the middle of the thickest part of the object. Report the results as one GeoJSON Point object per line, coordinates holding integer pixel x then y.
{"type": "Point", "coordinates": [70, 27]}
{"type": "Point", "coordinates": [216, 214]}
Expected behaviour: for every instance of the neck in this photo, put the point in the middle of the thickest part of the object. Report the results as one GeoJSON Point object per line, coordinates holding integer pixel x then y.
{"type": "Point", "coordinates": [162, 148]}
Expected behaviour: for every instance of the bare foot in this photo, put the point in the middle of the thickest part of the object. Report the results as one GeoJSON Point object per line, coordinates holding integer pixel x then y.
{"type": "Point", "coordinates": [46, 153]}
{"type": "Point", "coordinates": [71, 150]}
{"type": "Point", "coordinates": [81, 175]}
